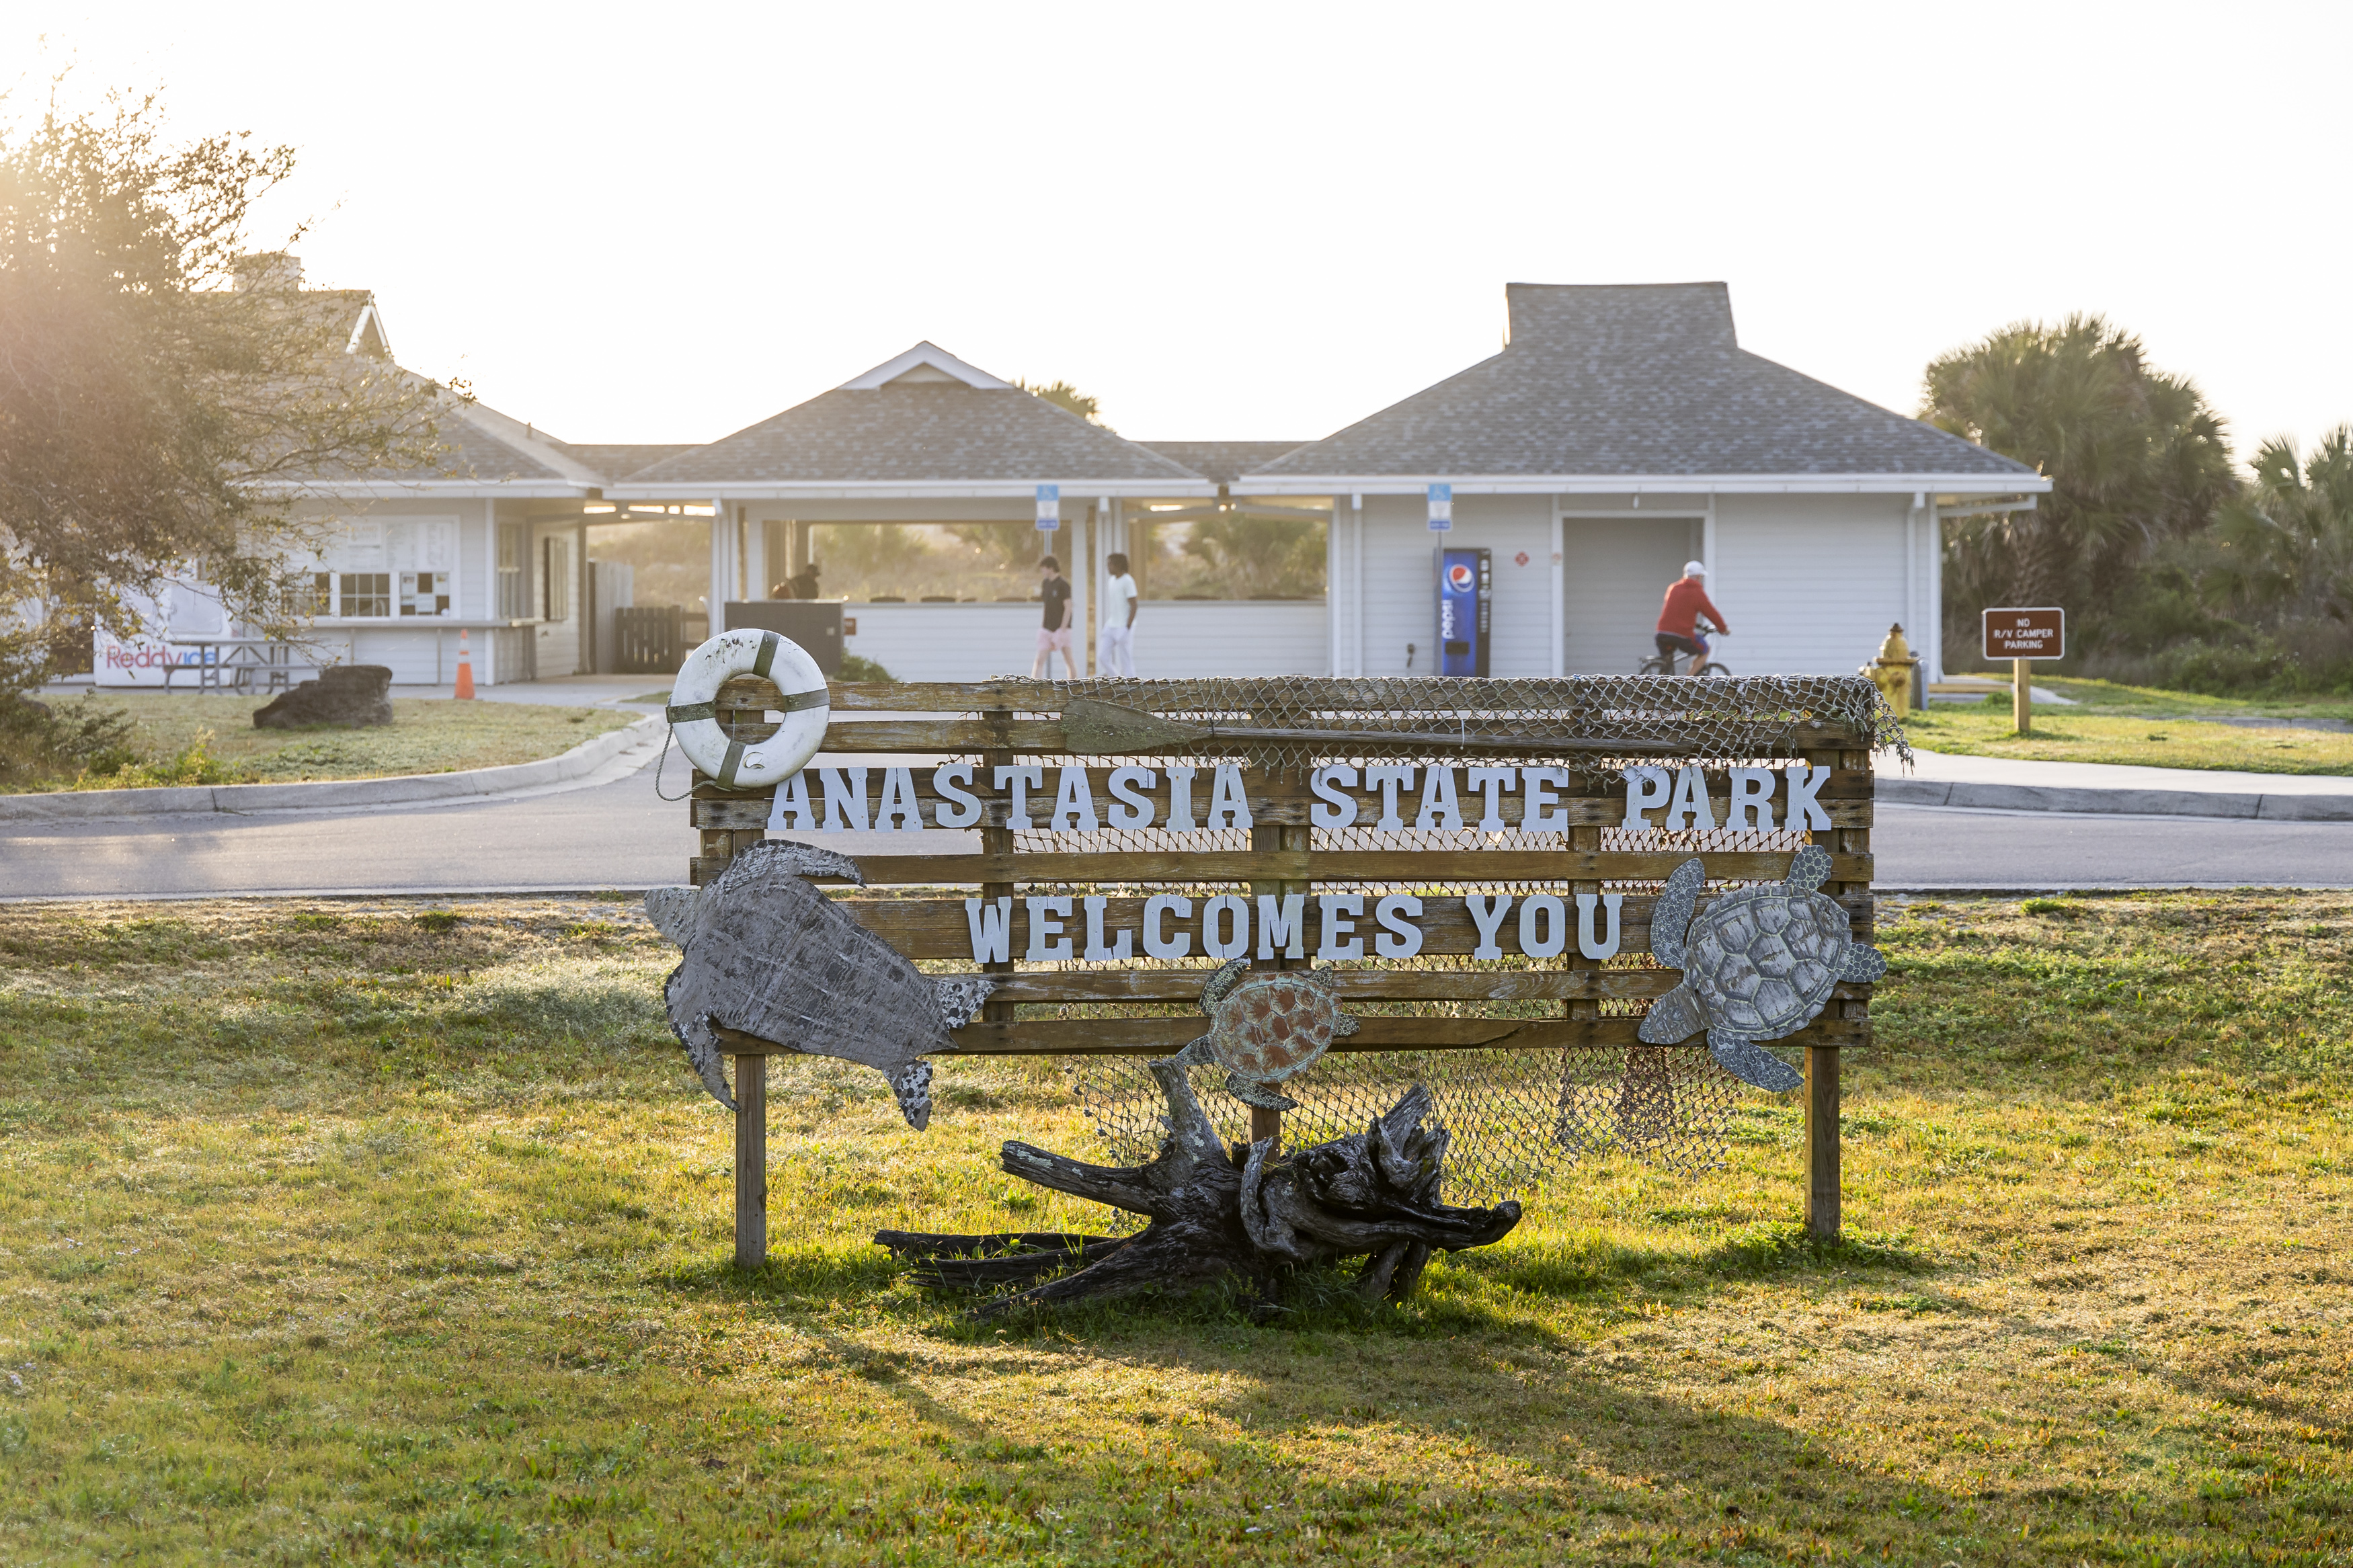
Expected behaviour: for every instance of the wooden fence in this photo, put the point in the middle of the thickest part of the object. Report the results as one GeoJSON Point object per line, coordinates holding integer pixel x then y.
{"type": "Point", "coordinates": [647, 640]}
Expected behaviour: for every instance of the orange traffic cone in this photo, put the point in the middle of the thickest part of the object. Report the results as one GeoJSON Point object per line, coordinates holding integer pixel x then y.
{"type": "Point", "coordinates": [465, 666]}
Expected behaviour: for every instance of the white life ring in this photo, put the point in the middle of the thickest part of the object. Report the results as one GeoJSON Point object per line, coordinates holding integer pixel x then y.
{"type": "Point", "coordinates": [694, 719]}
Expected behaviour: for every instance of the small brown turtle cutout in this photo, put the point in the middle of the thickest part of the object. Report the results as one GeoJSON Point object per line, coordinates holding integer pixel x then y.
{"type": "Point", "coordinates": [1265, 1028]}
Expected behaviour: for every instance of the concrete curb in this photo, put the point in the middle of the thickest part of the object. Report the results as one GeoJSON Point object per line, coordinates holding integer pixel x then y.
{"type": "Point", "coordinates": [2242, 806]}
{"type": "Point", "coordinates": [81, 806]}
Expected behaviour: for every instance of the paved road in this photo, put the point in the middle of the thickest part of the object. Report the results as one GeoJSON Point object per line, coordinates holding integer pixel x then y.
{"type": "Point", "coordinates": [620, 834]}
{"type": "Point", "coordinates": [616, 835]}
{"type": "Point", "coordinates": [1929, 847]}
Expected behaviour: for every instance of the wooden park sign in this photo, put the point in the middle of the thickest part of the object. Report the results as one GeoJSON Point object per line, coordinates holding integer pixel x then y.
{"type": "Point", "coordinates": [1449, 855]}
{"type": "Point", "coordinates": [2021, 636]}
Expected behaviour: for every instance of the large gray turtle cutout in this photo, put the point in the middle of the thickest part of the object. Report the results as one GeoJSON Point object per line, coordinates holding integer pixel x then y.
{"type": "Point", "coordinates": [1759, 964]}
{"type": "Point", "coordinates": [769, 954]}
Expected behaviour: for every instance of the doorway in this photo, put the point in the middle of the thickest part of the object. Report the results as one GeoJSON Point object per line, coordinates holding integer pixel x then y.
{"type": "Point", "coordinates": [1614, 573]}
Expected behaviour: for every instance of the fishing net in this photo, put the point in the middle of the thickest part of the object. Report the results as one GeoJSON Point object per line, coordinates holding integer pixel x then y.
{"type": "Point", "coordinates": [1516, 1117]}
{"type": "Point", "coordinates": [1750, 717]}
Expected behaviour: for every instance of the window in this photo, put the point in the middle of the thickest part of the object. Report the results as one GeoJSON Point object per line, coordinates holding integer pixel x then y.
{"type": "Point", "coordinates": [364, 593]}
{"type": "Point", "coordinates": [311, 594]}
{"type": "Point", "coordinates": [514, 574]}
{"type": "Point", "coordinates": [382, 566]}
{"type": "Point", "coordinates": [1269, 554]}
{"type": "Point", "coordinates": [555, 578]}
{"type": "Point", "coordinates": [425, 592]}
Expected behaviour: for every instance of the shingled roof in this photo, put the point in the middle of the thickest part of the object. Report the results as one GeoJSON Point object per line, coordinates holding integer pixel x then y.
{"type": "Point", "coordinates": [1223, 462]}
{"type": "Point", "coordinates": [620, 459]}
{"type": "Point", "coordinates": [1634, 380]}
{"type": "Point", "coordinates": [924, 417]}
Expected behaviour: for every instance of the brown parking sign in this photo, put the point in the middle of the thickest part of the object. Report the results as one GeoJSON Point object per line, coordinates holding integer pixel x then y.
{"type": "Point", "coordinates": [2026, 633]}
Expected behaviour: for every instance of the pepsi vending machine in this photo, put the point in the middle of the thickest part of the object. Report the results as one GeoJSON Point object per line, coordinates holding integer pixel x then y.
{"type": "Point", "coordinates": [1466, 580]}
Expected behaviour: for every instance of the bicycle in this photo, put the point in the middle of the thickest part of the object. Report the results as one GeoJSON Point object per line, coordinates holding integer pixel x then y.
{"type": "Point", "coordinates": [1664, 663]}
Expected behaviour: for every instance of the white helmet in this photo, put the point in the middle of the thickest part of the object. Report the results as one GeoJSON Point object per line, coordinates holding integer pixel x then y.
{"type": "Point", "coordinates": [1695, 569]}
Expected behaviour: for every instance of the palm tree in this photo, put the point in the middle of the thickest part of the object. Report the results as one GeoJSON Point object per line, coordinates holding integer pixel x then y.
{"type": "Point", "coordinates": [2284, 551]}
{"type": "Point", "coordinates": [2135, 457]}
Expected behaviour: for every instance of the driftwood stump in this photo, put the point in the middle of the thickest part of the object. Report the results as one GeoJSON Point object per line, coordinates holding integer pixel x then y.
{"type": "Point", "coordinates": [1247, 1212]}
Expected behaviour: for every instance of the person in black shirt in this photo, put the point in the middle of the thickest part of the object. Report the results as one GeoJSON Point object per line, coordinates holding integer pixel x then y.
{"type": "Point", "coordinates": [1055, 634]}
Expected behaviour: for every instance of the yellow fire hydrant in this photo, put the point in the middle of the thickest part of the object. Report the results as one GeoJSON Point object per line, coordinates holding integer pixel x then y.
{"type": "Point", "coordinates": [1896, 673]}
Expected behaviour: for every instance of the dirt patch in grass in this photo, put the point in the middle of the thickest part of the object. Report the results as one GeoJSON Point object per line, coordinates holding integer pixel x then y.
{"type": "Point", "coordinates": [397, 1232]}
{"type": "Point", "coordinates": [186, 738]}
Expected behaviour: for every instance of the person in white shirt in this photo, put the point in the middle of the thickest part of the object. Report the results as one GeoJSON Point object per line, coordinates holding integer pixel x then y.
{"type": "Point", "coordinates": [1116, 649]}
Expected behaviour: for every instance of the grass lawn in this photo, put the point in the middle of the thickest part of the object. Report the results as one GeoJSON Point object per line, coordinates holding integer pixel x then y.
{"type": "Point", "coordinates": [426, 736]}
{"type": "Point", "coordinates": [2155, 702]}
{"type": "Point", "coordinates": [393, 1233]}
{"type": "Point", "coordinates": [2110, 732]}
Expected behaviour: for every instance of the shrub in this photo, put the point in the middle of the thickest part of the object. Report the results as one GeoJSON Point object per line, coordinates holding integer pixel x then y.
{"type": "Point", "coordinates": [40, 741]}
{"type": "Point", "coordinates": [856, 666]}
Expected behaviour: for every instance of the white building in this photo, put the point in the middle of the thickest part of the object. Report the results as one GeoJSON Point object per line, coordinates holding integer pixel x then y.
{"type": "Point", "coordinates": [1620, 431]}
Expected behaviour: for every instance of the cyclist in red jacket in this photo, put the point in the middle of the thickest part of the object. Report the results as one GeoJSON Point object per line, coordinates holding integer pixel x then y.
{"type": "Point", "coordinates": [1679, 618]}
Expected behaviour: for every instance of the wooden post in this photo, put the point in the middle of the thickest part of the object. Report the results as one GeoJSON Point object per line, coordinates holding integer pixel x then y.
{"type": "Point", "coordinates": [2021, 698]}
{"type": "Point", "coordinates": [742, 695]}
{"type": "Point", "coordinates": [1821, 1085]}
{"type": "Point", "coordinates": [997, 840]}
{"type": "Point", "coordinates": [1298, 837]}
{"type": "Point", "coordinates": [751, 1161]}
{"type": "Point", "coordinates": [1823, 1143]}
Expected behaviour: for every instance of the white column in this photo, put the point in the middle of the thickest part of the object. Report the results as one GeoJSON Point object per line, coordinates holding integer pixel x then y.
{"type": "Point", "coordinates": [486, 657]}
{"type": "Point", "coordinates": [1081, 561]}
{"type": "Point", "coordinates": [723, 565]}
{"type": "Point", "coordinates": [1356, 585]}
{"type": "Point", "coordinates": [1335, 607]}
{"type": "Point", "coordinates": [1559, 595]}
{"type": "Point", "coordinates": [583, 612]}
{"type": "Point", "coordinates": [1934, 653]}
{"type": "Point", "coordinates": [756, 576]}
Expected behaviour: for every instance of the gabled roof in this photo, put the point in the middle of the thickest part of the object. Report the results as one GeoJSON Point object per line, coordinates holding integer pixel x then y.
{"type": "Point", "coordinates": [485, 445]}
{"type": "Point", "coordinates": [926, 363]}
{"type": "Point", "coordinates": [1636, 380]}
{"type": "Point", "coordinates": [1222, 462]}
{"type": "Point", "coordinates": [923, 418]}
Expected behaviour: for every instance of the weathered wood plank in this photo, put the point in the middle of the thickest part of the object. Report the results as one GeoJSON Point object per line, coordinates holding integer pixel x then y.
{"type": "Point", "coordinates": [1026, 697]}
{"type": "Point", "coordinates": [1410, 866]}
{"type": "Point", "coordinates": [753, 811]}
{"type": "Point", "coordinates": [940, 927]}
{"type": "Point", "coordinates": [1113, 984]}
{"type": "Point", "coordinates": [1845, 796]}
{"type": "Point", "coordinates": [1160, 1037]}
{"type": "Point", "coordinates": [1045, 737]}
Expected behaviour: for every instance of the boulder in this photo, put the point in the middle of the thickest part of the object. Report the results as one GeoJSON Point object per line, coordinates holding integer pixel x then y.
{"type": "Point", "coordinates": [348, 695]}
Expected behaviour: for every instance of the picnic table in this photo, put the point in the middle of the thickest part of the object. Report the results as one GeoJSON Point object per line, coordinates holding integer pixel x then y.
{"type": "Point", "coordinates": [238, 659]}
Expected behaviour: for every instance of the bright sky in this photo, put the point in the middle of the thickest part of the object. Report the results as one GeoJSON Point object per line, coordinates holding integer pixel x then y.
{"type": "Point", "coordinates": [1263, 221]}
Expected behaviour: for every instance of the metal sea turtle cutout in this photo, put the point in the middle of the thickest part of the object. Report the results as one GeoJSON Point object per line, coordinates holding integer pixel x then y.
{"type": "Point", "coordinates": [1265, 1028]}
{"type": "Point", "coordinates": [1758, 963]}
{"type": "Point", "coordinates": [770, 955]}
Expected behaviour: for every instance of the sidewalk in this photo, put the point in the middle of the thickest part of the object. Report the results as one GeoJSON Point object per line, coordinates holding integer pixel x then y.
{"type": "Point", "coordinates": [1994, 783]}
